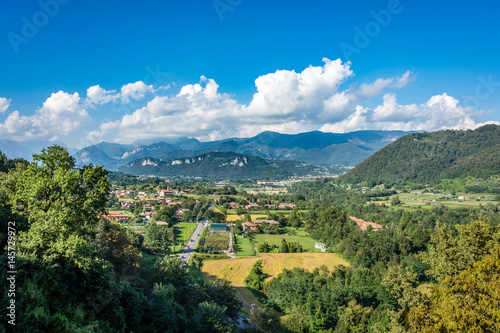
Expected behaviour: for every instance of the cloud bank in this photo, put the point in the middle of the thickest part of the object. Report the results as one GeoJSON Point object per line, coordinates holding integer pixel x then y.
{"type": "Point", "coordinates": [286, 101]}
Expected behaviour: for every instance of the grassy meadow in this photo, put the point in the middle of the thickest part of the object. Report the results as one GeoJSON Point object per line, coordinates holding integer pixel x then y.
{"type": "Point", "coordinates": [243, 246]}
{"type": "Point", "coordinates": [182, 232]}
{"type": "Point", "coordinates": [306, 242]}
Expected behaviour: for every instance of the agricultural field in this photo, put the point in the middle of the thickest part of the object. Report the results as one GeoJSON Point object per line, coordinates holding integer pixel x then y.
{"type": "Point", "coordinates": [255, 190]}
{"type": "Point", "coordinates": [236, 270]}
{"type": "Point", "coordinates": [418, 200]}
{"type": "Point", "coordinates": [258, 217]}
{"type": "Point", "coordinates": [233, 218]}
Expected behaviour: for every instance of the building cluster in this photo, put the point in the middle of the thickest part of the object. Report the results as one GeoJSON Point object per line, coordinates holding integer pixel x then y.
{"type": "Point", "coordinates": [255, 206]}
{"type": "Point", "coordinates": [129, 197]}
{"type": "Point", "coordinates": [363, 225]}
{"type": "Point", "coordinates": [258, 223]}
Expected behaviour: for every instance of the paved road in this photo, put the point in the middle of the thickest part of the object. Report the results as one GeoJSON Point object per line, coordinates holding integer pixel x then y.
{"type": "Point", "coordinates": [187, 251]}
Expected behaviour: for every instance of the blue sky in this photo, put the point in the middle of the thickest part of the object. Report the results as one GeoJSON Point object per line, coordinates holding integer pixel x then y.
{"type": "Point", "coordinates": [414, 65]}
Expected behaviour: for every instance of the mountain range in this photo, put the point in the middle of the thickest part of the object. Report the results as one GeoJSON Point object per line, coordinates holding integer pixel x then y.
{"type": "Point", "coordinates": [221, 165]}
{"type": "Point", "coordinates": [15, 149]}
{"type": "Point", "coordinates": [316, 148]}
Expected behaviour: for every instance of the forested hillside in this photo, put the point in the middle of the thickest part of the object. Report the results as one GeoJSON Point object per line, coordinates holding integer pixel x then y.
{"type": "Point", "coordinates": [75, 272]}
{"type": "Point", "coordinates": [407, 277]}
{"type": "Point", "coordinates": [430, 157]}
{"type": "Point", "coordinates": [223, 165]}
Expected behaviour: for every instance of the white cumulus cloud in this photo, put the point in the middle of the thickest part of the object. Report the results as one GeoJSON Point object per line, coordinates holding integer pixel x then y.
{"type": "Point", "coordinates": [439, 112]}
{"type": "Point", "coordinates": [128, 92]}
{"type": "Point", "coordinates": [60, 115]}
{"type": "Point", "coordinates": [289, 94]}
{"type": "Point", "coordinates": [198, 110]}
{"type": "Point", "coordinates": [98, 95]}
{"type": "Point", "coordinates": [135, 91]}
{"type": "Point", "coordinates": [4, 104]}
{"type": "Point", "coordinates": [318, 97]}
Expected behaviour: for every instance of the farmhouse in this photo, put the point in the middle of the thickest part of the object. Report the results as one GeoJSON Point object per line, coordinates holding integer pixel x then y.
{"type": "Point", "coordinates": [320, 246]}
{"type": "Point", "coordinates": [271, 222]}
{"type": "Point", "coordinates": [164, 193]}
{"type": "Point", "coordinates": [363, 225]}
{"type": "Point", "coordinates": [248, 225]}
{"type": "Point", "coordinates": [117, 217]}
{"type": "Point", "coordinates": [180, 212]}
{"type": "Point", "coordinates": [153, 200]}
{"type": "Point", "coordinates": [126, 204]}
{"type": "Point", "coordinates": [251, 205]}
{"type": "Point", "coordinates": [284, 205]}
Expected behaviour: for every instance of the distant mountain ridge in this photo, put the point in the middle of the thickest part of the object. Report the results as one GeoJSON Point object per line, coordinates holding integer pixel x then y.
{"type": "Point", "coordinates": [318, 148]}
{"type": "Point", "coordinates": [429, 157]}
{"type": "Point", "coordinates": [26, 149]}
{"type": "Point", "coordinates": [219, 165]}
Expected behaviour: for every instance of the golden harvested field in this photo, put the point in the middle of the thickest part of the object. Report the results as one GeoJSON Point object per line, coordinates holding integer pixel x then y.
{"type": "Point", "coordinates": [232, 218]}
{"type": "Point", "coordinates": [236, 270]}
{"type": "Point", "coordinates": [258, 217]}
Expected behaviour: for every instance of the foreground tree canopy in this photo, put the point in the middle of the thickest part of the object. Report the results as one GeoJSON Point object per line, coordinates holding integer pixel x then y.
{"type": "Point", "coordinates": [78, 273]}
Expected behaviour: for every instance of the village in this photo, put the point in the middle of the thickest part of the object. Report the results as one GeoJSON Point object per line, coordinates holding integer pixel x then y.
{"type": "Point", "coordinates": [236, 223]}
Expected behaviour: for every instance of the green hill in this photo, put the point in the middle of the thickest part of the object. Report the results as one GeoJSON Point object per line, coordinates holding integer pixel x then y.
{"type": "Point", "coordinates": [428, 157]}
{"type": "Point", "coordinates": [220, 165]}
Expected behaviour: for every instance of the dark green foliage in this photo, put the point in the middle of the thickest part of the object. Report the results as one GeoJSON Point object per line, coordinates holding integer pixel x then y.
{"type": "Point", "coordinates": [256, 277]}
{"type": "Point", "coordinates": [289, 247]}
{"type": "Point", "coordinates": [7, 164]}
{"type": "Point", "coordinates": [76, 274]}
{"type": "Point", "coordinates": [166, 214]}
{"type": "Point", "coordinates": [429, 157]}
{"type": "Point", "coordinates": [158, 238]}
